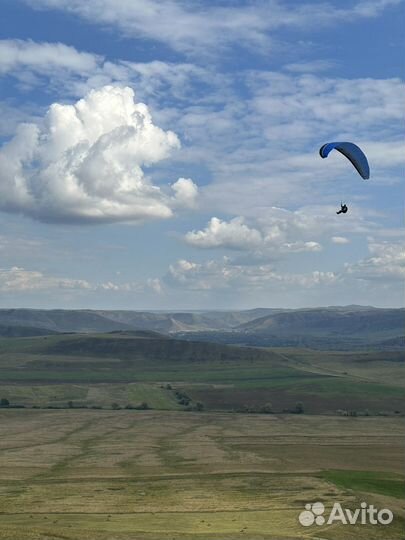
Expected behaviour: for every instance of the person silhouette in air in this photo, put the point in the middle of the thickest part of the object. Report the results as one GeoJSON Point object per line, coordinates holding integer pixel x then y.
{"type": "Point", "coordinates": [343, 209]}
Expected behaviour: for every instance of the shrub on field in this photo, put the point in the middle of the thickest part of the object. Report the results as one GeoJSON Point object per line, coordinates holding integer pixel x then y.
{"type": "Point", "coordinates": [183, 398]}
{"type": "Point", "coordinates": [143, 406]}
{"type": "Point", "coordinates": [299, 407]}
{"type": "Point", "coordinates": [267, 408]}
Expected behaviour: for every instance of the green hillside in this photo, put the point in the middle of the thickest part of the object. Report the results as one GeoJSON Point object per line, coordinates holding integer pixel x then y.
{"type": "Point", "coordinates": [326, 321]}
{"type": "Point", "coordinates": [23, 331]}
{"type": "Point", "coordinates": [131, 368]}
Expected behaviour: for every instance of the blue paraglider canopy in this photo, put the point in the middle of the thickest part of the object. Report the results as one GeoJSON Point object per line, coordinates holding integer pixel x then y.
{"type": "Point", "coordinates": [353, 153]}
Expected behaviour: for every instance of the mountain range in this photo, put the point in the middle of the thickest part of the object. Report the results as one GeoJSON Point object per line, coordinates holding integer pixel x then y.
{"type": "Point", "coordinates": [63, 320]}
{"type": "Point", "coordinates": [340, 327]}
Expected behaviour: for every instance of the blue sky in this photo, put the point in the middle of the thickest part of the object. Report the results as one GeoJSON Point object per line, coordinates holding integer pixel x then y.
{"type": "Point", "coordinates": [164, 155]}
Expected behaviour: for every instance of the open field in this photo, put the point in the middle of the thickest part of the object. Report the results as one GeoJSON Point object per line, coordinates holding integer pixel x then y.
{"type": "Point", "coordinates": [129, 475]}
{"type": "Point", "coordinates": [170, 473]}
{"type": "Point", "coordinates": [127, 369]}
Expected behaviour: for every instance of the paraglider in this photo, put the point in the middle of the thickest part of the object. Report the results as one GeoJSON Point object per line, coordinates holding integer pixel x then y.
{"type": "Point", "coordinates": [356, 157]}
{"type": "Point", "coordinates": [343, 209]}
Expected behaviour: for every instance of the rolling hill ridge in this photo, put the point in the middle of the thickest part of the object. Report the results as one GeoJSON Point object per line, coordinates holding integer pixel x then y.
{"type": "Point", "coordinates": [342, 327]}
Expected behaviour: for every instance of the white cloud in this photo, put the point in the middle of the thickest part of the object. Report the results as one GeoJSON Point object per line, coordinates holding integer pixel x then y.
{"type": "Point", "coordinates": [189, 28]}
{"type": "Point", "coordinates": [18, 279]}
{"type": "Point", "coordinates": [386, 263]}
{"type": "Point", "coordinates": [224, 274]}
{"type": "Point", "coordinates": [50, 65]}
{"type": "Point", "coordinates": [185, 193]}
{"type": "Point", "coordinates": [176, 24]}
{"type": "Point", "coordinates": [16, 54]}
{"type": "Point", "coordinates": [155, 284]}
{"type": "Point", "coordinates": [85, 163]}
{"type": "Point", "coordinates": [378, 279]}
{"type": "Point", "coordinates": [340, 240]}
{"type": "Point", "coordinates": [12, 116]}
{"type": "Point", "coordinates": [309, 224]}
{"type": "Point", "coordinates": [313, 66]}
{"type": "Point", "coordinates": [256, 164]}
{"type": "Point", "coordinates": [272, 237]}
{"type": "Point", "coordinates": [335, 105]}
{"type": "Point", "coordinates": [272, 158]}
{"type": "Point", "coordinates": [372, 8]}
{"type": "Point", "coordinates": [234, 234]}
{"type": "Point", "coordinates": [68, 71]}
{"type": "Point", "coordinates": [298, 247]}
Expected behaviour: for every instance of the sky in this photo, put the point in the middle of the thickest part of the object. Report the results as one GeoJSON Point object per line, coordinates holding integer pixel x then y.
{"type": "Point", "coordinates": [163, 154]}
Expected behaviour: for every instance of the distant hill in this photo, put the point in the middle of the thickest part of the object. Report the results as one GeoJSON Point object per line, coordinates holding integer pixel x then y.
{"type": "Point", "coordinates": [330, 320]}
{"type": "Point", "coordinates": [62, 320]}
{"type": "Point", "coordinates": [23, 331]}
{"type": "Point", "coordinates": [340, 327]}
{"type": "Point", "coordinates": [189, 321]}
{"type": "Point", "coordinates": [393, 343]}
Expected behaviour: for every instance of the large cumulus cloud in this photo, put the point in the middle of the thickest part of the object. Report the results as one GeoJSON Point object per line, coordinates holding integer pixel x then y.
{"type": "Point", "coordinates": [85, 163]}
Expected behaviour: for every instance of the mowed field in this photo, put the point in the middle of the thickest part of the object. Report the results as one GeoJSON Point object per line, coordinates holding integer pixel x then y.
{"type": "Point", "coordinates": [132, 475]}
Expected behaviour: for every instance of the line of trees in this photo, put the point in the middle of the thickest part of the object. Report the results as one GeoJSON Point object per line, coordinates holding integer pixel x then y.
{"type": "Point", "coordinates": [267, 408]}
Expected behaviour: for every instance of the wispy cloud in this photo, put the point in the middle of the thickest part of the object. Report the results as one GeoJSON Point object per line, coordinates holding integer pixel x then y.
{"type": "Point", "coordinates": [272, 158]}
{"type": "Point", "coordinates": [195, 27]}
{"type": "Point", "coordinates": [379, 276]}
{"type": "Point", "coordinates": [224, 273]}
{"type": "Point", "coordinates": [17, 279]}
{"type": "Point", "coordinates": [16, 54]}
{"type": "Point", "coordinates": [65, 70]}
{"type": "Point", "coordinates": [313, 66]}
